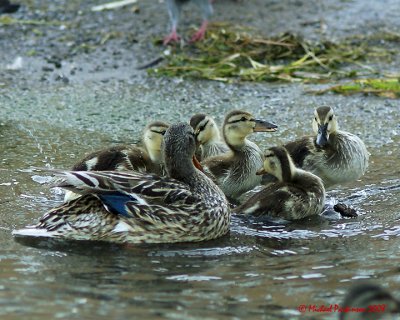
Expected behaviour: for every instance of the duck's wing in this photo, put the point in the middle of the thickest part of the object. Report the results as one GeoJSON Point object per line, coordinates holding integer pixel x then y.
{"type": "Point", "coordinates": [140, 187]}
{"type": "Point", "coordinates": [300, 149]}
{"type": "Point", "coordinates": [275, 200]}
{"type": "Point", "coordinates": [114, 158]}
{"type": "Point", "coordinates": [218, 166]}
{"type": "Point", "coordinates": [119, 205]}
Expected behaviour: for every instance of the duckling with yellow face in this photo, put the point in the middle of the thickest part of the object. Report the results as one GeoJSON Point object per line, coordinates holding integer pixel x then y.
{"type": "Point", "coordinates": [208, 137]}
{"type": "Point", "coordinates": [235, 171]}
{"type": "Point", "coordinates": [297, 193]}
{"type": "Point", "coordinates": [335, 156]}
{"type": "Point", "coordinates": [127, 158]}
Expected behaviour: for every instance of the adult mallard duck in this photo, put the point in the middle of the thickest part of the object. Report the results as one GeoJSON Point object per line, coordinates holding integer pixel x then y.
{"type": "Point", "coordinates": [297, 193]}
{"type": "Point", "coordinates": [207, 134]}
{"type": "Point", "coordinates": [129, 207]}
{"type": "Point", "coordinates": [333, 155]}
{"type": "Point", "coordinates": [127, 158]}
{"type": "Point", "coordinates": [235, 171]}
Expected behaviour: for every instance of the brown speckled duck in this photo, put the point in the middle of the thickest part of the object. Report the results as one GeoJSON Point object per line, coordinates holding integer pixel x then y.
{"type": "Point", "coordinates": [133, 207]}
{"type": "Point", "coordinates": [235, 171]}
{"type": "Point", "coordinates": [335, 156]}
{"type": "Point", "coordinates": [208, 137]}
{"type": "Point", "coordinates": [297, 193]}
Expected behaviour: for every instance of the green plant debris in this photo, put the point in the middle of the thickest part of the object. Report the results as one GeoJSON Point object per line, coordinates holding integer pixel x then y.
{"type": "Point", "coordinates": [233, 53]}
{"type": "Point", "coordinates": [388, 88]}
{"type": "Point", "coordinates": [7, 20]}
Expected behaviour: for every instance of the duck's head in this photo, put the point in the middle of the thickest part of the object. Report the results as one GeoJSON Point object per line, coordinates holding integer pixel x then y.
{"type": "Point", "coordinates": [278, 163]}
{"type": "Point", "coordinates": [239, 124]}
{"type": "Point", "coordinates": [178, 148]}
{"type": "Point", "coordinates": [364, 295]}
{"type": "Point", "coordinates": [204, 128]}
{"type": "Point", "coordinates": [153, 136]}
{"type": "Point", "coordinates": [324, 124]}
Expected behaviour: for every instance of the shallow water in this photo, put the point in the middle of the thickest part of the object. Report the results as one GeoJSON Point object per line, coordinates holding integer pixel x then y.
{"type": "Point", "coordinates": [257, 271]}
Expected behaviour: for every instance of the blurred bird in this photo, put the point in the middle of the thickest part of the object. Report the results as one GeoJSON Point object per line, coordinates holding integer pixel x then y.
{"type": "Point", "coordinates": [370, 301]}
{"type": "Point", "coordinates": [7, 7]}
{"type": "Point", "coordinates": [174, 9]}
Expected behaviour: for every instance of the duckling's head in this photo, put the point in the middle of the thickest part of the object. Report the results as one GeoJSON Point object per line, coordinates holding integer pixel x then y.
{"type": "Point", "coordinates": [204, 128]}
{"type": "Point", "coordinates": [324, 124]}
{"type": "Point", "coordinates": [153, 137]}
{"type": "Point", "coordinates": [239, 124]}
{"type": "Point", "coordinates": [363, 296]}
{"type": "Point", "coordinates": [178, 148]}
{"type": "Point", "coordinates": [278, 163]}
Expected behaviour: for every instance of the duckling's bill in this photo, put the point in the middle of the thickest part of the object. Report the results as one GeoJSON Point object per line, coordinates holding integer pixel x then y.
{"type": "Point", "coordinates": [264, 126]}
{"type": "Point", "coordinates": [322, 136]}
{"type": "Point", "coordinates": [261, 172]}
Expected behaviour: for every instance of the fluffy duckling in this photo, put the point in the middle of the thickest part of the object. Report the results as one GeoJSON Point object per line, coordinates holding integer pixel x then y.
{"type": "Point", "coordinates": [297, 193]}
{"type": "Point", "coordinates": [174, 10]}
{"type": "Point", "coordinates": [235, 171]}
{"type": "Point", "coordinates": [333, 155]}
{"type": "Point", "coordinates": [377, 302]}
{"type": "Point", "coordinates": [126, 158]}
{"type": "Point", "coordinates": [207, 134]}
{"type": "Point", "coordinates": [132, 207]}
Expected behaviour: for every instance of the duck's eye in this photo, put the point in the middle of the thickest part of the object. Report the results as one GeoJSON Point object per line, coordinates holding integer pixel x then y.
{"type": "Point", "coordinates": [201, 128]}
{"type": "Point", "coordinates": [243, 119]}
{"type": "Point", "coordinates": [330, 118]}
{"type": "Point", "coordinates": [315, 118]}
{"type": "Point", "coordinates": [163, 132]}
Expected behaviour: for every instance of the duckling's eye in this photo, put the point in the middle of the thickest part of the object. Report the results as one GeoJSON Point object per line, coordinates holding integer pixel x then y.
{"type": "Point", "coordinates": [243, 119]}
{"type": "Point", "coordinates": [330, 118]}
{"type": "Point", "coordinates": [203, 127]}
{"type": "Point", "coordinates": [315, 118]}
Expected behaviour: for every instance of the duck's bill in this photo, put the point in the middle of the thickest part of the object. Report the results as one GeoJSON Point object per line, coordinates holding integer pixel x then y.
{"type": "Point", "coordinates": [322, 136]}
{"type": "Point", "coordinates": [197, 164]}
{"type": "Point", "coordinates": [261, 172]}
{"type": "Point", "coordinates": [265, 126]}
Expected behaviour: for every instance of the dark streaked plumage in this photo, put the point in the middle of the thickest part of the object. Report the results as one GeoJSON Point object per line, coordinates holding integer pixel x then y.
{"type": "Point", "coordinates": [235, 171]}
{"type": "Point", "coordinates": [129, 207]}
{"type": "Point", "coordinates": [174, 10]}
{"type": "Point", "coordinates": [296, 195]}
{"type": "Point", "coordinates": [333, 155]}
{"type": "Point", "coordinates": [7, 7]}
{"type": "Point", "coordinates": [377, 302]}
{"type": "Point", "coordinates": [207, 134]}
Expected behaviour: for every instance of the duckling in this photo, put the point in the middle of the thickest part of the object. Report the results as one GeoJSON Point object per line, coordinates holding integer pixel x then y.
{"type": "Point", "coordinates": [297, 193]}
{"type": "Point", "coordinates": [333, 155]}
{"type": "Point", "coordinates": [376, 302]}
{"type": "Point", "coordinates": [126, 158]}
{"type": "Point", "coordinates": [208, 137]}
{"type": "Point", "coordinates": [134, 207]}
{"type": "Point", "coordinates": [235, 171]}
